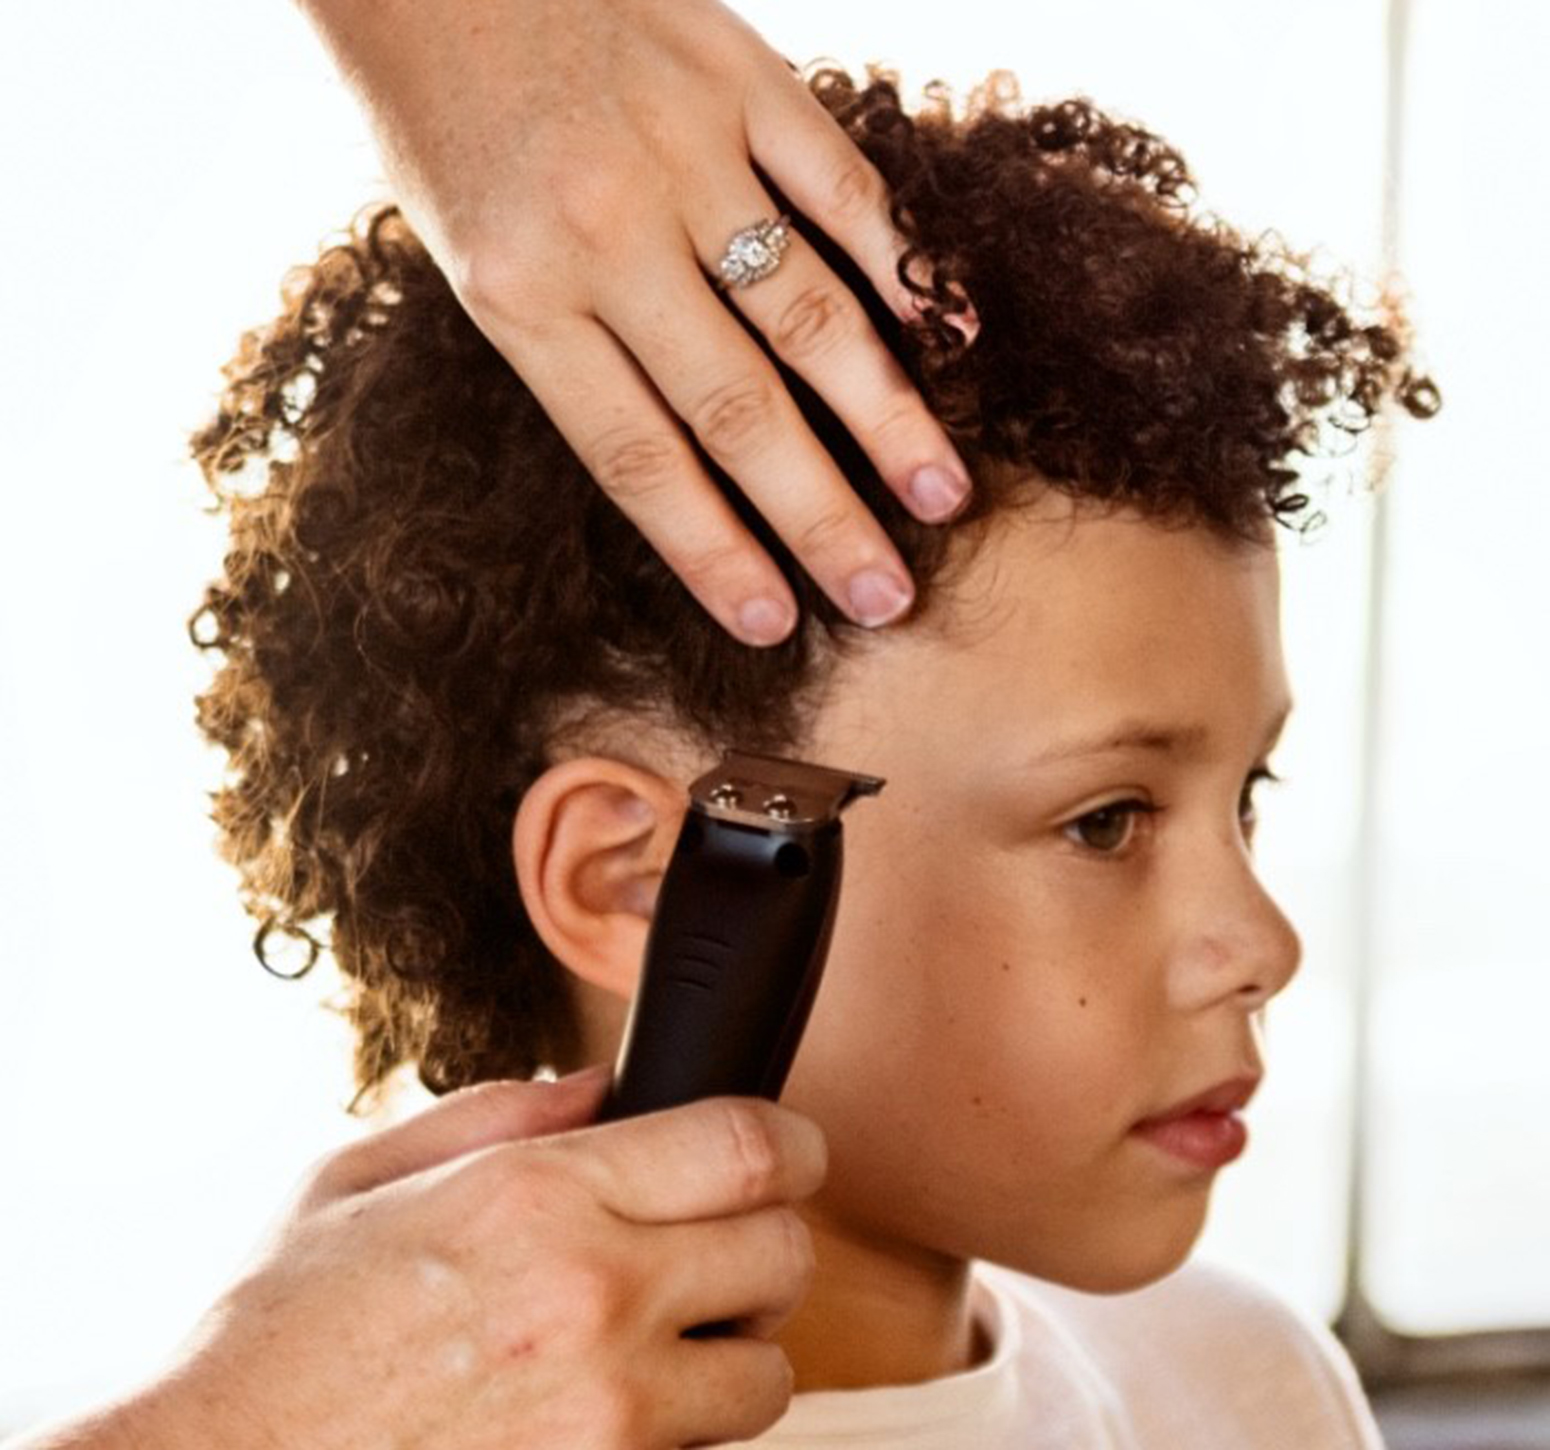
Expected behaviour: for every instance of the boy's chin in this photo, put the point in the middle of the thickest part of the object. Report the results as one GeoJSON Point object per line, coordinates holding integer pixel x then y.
{"type": "Point", "coordinates": [1123, 1278]}
{"type": "Point", "coordinates": [1118, 1263]}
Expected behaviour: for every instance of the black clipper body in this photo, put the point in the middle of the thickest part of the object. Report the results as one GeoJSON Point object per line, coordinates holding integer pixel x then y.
{"type": "Point", "coordinates": [739, 935]}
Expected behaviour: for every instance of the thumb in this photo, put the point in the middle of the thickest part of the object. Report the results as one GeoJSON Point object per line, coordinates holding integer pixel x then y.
{"type": "Point", "coordinates": [463, 1122]}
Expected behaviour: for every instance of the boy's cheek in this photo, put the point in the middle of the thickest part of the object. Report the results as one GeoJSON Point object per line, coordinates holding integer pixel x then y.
{"type": "Point", "coordinates": [986, 1078]}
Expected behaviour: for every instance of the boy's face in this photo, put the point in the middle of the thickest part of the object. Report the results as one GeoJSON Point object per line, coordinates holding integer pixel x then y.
{"type": "Point", "coordinates": [1020, 973]}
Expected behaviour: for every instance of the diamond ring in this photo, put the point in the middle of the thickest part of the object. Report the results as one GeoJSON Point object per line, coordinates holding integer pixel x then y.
{"type": "Point", "coordinates": [754, 252]}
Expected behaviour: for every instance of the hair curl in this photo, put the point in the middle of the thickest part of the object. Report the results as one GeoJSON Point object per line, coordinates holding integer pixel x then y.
{"type": "Point", "coordinates": [425, 572]}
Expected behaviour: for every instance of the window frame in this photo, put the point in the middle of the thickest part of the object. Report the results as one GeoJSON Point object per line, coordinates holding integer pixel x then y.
{"type": "Point", "coordinates": [1385, 1357]}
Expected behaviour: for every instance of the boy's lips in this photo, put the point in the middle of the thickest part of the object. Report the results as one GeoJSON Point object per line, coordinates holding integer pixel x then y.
{"type": "Point", "coordinates": [1225, 1097]}
{"type": "Point", "coordinates": [1205, 1130]}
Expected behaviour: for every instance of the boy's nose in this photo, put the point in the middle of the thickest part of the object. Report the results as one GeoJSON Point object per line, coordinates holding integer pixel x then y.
{"type": "Point", "coordinates": [1238, 946]}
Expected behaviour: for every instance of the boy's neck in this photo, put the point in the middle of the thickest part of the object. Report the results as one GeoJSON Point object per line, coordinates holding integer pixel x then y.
{"type": "Point", "coordinates": [880, 1314]}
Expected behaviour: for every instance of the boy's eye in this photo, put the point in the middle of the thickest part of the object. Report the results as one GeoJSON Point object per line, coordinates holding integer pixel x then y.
{"type": "Point", "coordinates": [1248, 813]}
{"type": "Point", "coordinates": [1109, 828]}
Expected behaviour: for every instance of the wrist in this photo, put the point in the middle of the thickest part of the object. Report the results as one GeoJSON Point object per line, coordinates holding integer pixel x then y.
{"type": "Point", "coordinates": [176, 1412]}
{"type": "Point", "coordinates": [131, 1423]}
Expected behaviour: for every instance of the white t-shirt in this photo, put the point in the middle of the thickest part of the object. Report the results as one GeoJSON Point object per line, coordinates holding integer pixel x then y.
{"type": "Point", "coordinates": [1201, 1360]}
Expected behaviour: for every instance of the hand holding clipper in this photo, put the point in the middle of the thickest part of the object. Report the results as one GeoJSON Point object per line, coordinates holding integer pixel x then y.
{"type": "Point", "coordinates": [739, 936]}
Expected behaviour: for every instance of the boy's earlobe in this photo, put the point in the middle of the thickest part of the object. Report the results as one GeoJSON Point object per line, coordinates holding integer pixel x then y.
{"type": "Point", "coordinates": [590, 842]}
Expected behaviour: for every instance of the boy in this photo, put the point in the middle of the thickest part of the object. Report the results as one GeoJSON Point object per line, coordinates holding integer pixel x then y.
{"type": "Point", "coordinates": [462, 699]}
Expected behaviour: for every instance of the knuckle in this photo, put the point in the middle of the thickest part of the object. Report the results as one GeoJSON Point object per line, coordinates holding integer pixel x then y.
{"type": "Point", "coordinates": [505, 1192]}
{"type": "Point", "coordinates": [636, 467]}
{"type": "Point", "coordinates": [329, 1177]}
{"type": "Point", "coordinates": [597, 1299]}
{"type": "Point", "coordinates": [765, 1394]}
{"type": "Point", "coordinates": [525, 1184]}
{"type": "Point", "coordinates": [755, 1154]}
{"type": "Point", "coordinates": [899, 419]}
{"type": "Point", "coordinates": [589, 204]}
{"type": "Point", "coordinates": [815, 321]}
{"type": "Point", "coordinates": [488, 279]}
{"type": "Point", "coordinates": [624, 1418]}
{"type": "Point", "coordinates": [714, 570]}
{"type": "Point", "coordinates": [736, 417]}
{"type": "Point", "coordinates": [797, 1245]}
{"type": "Point", "coordinates": [824, 533]}
{"type": "Point", "coordinates": [856, 191]}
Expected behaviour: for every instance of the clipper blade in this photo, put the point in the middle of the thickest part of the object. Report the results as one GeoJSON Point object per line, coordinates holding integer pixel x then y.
{"type": "Point", "coordinates": [770, 792]}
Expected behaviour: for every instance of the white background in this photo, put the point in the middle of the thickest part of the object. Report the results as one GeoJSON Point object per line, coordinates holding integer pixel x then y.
{"type": "Point", "coordinates": [163, 163]}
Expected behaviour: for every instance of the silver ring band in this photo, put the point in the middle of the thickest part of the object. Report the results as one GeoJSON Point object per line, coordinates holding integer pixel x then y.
{"type": "Point", "coordinates": [754, 253]}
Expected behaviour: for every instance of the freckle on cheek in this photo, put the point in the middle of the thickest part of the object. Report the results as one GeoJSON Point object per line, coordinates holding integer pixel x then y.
{"type": "Point", "coordinates": [1081, 1001]}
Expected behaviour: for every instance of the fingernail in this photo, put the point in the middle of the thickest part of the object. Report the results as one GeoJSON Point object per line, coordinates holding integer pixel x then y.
{"type": "Point", "coordinates": [764, 621]}
{"type": "Point", "coordinates": [878, 597]}
{"type": "Point", "coordinates": [937, 492]}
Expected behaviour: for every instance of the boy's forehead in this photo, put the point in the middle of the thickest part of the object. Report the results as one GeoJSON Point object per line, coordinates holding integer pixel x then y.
{"type": "Point", "coordinates": [1073, 620]}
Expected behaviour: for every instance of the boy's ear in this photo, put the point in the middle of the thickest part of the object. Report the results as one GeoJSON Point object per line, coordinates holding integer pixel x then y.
{"type": "Point", "coordinates": [591, 840]}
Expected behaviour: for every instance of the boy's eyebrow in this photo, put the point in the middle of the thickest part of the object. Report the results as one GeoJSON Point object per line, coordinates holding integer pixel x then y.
{"type": "Point", "coordinates": [1146, 735]}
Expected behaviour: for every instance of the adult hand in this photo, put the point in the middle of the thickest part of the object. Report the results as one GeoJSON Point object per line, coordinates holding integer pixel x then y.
{"type": "Point", "coordinates": [577, 168]}
{"type": "Point", "coordinates": [485, 1276]}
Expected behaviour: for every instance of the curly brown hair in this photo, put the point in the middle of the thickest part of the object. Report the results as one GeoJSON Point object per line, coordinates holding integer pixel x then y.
{"type": "Point", "coordinates": [422, 575]}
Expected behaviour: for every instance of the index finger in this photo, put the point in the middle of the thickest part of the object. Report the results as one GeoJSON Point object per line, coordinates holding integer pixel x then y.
{"type": "Point", "coordinates": [706, 1160]}
{"type": "Point", "coordinates": [460, 1124]}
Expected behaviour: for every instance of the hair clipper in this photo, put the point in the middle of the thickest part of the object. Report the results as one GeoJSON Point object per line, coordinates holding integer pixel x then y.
{"type": "Point", "coordinates": [739, 935]}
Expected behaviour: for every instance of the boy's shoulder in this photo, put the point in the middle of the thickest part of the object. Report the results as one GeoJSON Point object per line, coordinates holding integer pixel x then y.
{"type": "Point", "coordinates": [1205, 1357]}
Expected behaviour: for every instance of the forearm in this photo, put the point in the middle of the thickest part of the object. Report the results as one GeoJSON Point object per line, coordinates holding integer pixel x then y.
{"type": "Point", "coordinates": [121, 1426]}
{"type": "Point", "coordinates": [363, 36]}
{"type": "Point", "coordinates": [167, 1415]}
